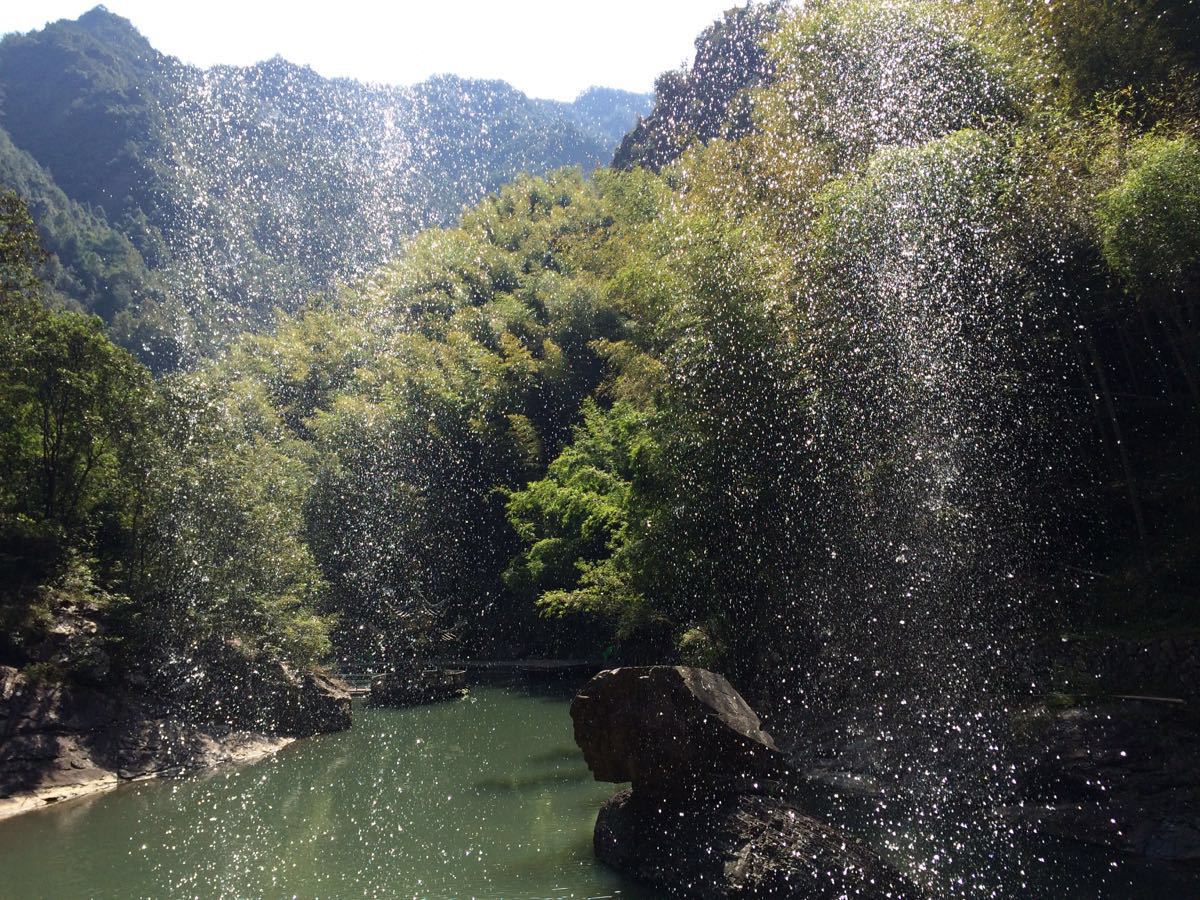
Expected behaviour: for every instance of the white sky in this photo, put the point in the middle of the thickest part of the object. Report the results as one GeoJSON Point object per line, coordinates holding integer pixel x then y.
{"type": "Point", "coordinates": [546, 48]}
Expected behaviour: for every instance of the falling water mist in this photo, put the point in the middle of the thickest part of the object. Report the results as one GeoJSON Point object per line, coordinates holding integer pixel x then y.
{"type": "Point", "coordinates": [923, 584]}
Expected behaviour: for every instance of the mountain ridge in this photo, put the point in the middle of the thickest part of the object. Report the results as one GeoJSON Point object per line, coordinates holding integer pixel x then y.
{"type": "Point", "coordinates": [241, 189]}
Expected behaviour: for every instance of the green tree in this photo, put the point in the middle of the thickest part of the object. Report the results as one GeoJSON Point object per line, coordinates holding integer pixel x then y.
{"type": "Point", "coordinates": [1141, 57]}
{"type": "Point", "coordinates": [21, 261]}
{"type": "Point", "coordinates": [224, 559]}
{"type": "Point", "coordinates": [853, 77]}
{"type": "Point", "coordinates": [575, 524]}
{"type": "Point", "coordinates": [1150, 235]}
{"type": "Point", "coordinates": [82, 398]}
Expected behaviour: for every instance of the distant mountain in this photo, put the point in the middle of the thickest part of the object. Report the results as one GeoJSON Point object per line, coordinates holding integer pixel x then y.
{"type": "Point", "coordinates": [184, 204]}
{"type": "Point", "coordinates": [605, 113]}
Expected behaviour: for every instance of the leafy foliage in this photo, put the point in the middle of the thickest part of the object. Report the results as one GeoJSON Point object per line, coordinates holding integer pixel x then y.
{"type": "Point", "coordinates": [1150, 220]}
{"type": "Point", "coordinates": [576, 521]}
{"type": "Point", "coordinates": [852, 78]}
{"type": "Point", "coordinates": [1142, 55]}
{"type": "Point", "coordinates": [175, 510]}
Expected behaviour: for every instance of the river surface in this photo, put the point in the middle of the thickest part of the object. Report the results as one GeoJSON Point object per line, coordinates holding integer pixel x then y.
{"type": "Point", "coordinates": [482, 797]}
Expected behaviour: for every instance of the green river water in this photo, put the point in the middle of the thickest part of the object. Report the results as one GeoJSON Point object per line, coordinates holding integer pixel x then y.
{"type": "Point", "coordinates": [483, 797]}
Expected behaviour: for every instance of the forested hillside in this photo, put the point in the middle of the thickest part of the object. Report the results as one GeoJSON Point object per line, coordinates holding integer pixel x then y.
{"type": "Point", "coordinates": [711, 98]}
{"type": "Point", "coordinates": [816, 377]}
{"type": "Point", "coordinates": [184, 205]}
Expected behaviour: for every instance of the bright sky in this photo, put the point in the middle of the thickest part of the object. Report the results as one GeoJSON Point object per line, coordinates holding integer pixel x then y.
{"type": "Point", "coordinates": [546, 48]}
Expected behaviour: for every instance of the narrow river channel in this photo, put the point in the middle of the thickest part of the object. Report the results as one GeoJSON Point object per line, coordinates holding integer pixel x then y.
{"type": "Point", "coordinates": [483, 797]}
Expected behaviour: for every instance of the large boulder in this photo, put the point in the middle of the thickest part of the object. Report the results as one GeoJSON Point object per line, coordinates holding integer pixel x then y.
{"type": "Point", "coordinates": [739, 845]}
{"type": "Point", "coordinates": [297, 704]}
{"type": "Point", "coordinates": [707, 815]}
{"type": "Point", "coordinates": [671, 730]}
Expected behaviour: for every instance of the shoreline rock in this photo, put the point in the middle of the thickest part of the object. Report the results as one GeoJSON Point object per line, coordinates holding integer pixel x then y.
{"type": "Point", "coordinates": [59, 741]}
{"type": "Point", "coordinates": [235, 749]}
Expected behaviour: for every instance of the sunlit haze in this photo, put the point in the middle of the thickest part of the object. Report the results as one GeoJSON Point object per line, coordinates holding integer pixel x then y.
{"type": "Point", "coordinates": [545, 48]}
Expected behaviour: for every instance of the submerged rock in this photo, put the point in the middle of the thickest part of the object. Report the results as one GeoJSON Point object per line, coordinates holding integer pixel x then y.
{"type": "Point", "coordinates": [707, 816]}
{"type": "Point", "coordinates": [671, 729]}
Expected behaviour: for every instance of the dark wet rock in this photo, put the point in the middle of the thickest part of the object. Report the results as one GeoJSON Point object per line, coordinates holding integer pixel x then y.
{"type": "Point", "coordinates": [58, 735]}
{"type": "Point", "coordinates": [668, 729]}
{"type": "Point", "coordinates": [34, 707]}
{"type": "Point", "coordinates": [280, 701]}
{"type": "Point", "coordinates": [69, 725]}
{"type": "Point", "coordinates": [1119, 766]}
{"type": "Point", "coordinates": [708, 815]}
{"type": "Point", "coordinates": [1118, 773]}
{"type": "Point", "coordinates": [739, 845]}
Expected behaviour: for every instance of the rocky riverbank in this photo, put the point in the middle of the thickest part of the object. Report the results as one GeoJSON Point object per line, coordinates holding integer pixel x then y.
{"type": "Point", "coordinates": [48, 765]}
{"type": "Point", "coordinates": [1104, 750]}
{"type": "Point", "coordinates": [61, 740]}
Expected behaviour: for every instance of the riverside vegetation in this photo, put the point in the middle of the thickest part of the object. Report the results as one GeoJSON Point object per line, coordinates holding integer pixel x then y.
{"type": "Point", "coordinates": [884, 323]}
